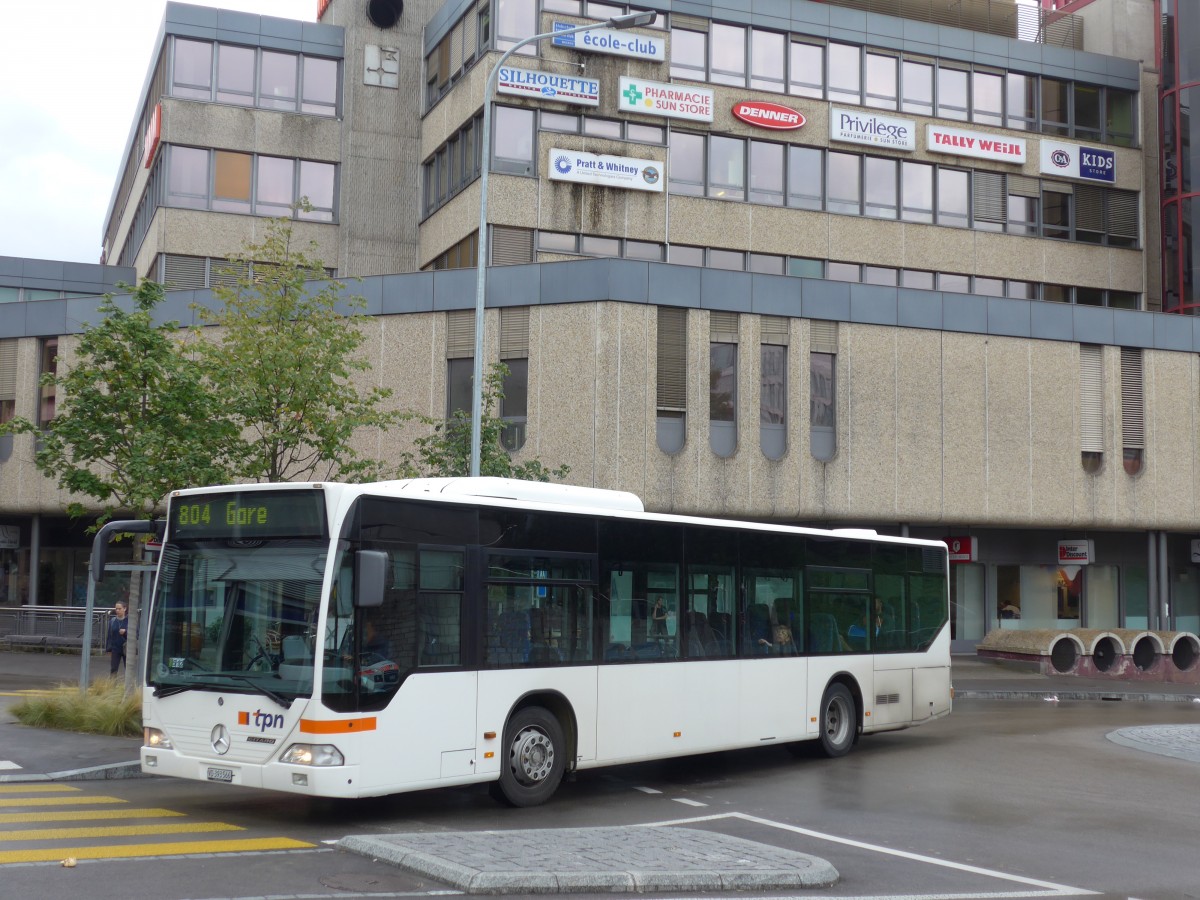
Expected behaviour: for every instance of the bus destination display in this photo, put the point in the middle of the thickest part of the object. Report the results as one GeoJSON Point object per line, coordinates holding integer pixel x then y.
{"type": "Point", "coordinates": [248, 514]}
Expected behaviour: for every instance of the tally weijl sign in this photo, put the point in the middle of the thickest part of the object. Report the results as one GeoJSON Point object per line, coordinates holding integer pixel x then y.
{"type": "Point", "coordinates": [857, 127]}
{"type": "Point", "coordinates": [612, 42]}
{"type": "Point", "coordinates": [611, 171]}
{"type": "Point", "coordinates": [977, 144]}
{"type": "Point", "coordinates": [548, 86]}
{"type": "Point", "coordinates": [672, 101]}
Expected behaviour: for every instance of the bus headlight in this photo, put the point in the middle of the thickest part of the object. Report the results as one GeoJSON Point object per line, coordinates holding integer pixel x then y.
{"type": "Point", "coordinates": [156, 740]}
{"type": "Point", "coordinates": [313, 755]}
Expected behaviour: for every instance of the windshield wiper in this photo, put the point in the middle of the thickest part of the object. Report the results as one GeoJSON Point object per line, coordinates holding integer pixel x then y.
{"type": "Point", "coordinates": [168, 690]}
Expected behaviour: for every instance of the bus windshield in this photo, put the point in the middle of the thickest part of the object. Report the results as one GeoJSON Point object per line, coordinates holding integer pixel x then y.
{"type": "Point", "coordinates": [237, 615]}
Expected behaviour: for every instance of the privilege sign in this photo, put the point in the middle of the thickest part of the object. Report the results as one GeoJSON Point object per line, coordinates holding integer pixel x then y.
{"type": "Point", "coordinates": [612, 42]}
{"type": "Point", "coordinates": [978, 144]}
{"type": "Point", "coordinates": [858, 127]}
{"type": "Point", "coordinates": [612, 171]}
{"type": "Point", "coordinates": [548, 86]}
{"type": "Point", "coordinates": [1075, 161]}
{"type": "Point", "coordinates": [674, 101]}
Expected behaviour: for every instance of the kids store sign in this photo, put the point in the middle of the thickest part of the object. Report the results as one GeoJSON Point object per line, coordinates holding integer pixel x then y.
{"type": "Point", "coordinates": [1075, 161]}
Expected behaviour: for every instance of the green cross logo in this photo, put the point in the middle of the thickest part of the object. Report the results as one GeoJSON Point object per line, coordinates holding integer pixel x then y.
{"type": "Point", "coordinates": [632, 94]}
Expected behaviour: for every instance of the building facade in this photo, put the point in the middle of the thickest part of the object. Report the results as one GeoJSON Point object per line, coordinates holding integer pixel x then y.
{"type": "Point", "coordinates": [804, 262]}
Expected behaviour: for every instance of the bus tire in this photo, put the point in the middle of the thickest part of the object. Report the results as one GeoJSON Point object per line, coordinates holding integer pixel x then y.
{"type": "Point", "coordinates": [534, 758]}
{"type": "Point", "coordinates": [839, 721]}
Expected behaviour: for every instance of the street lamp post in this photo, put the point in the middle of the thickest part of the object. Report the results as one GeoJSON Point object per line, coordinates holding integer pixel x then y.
{"type": "Point", "coordinates": [630, 20]}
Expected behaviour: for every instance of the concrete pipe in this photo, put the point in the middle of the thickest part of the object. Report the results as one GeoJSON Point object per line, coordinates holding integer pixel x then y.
{"type": "Point", "coordinates": [1065, 651]}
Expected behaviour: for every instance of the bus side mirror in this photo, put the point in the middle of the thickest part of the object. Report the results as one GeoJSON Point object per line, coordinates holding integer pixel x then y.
{"type": "Point", "coordinates": [370, 577]}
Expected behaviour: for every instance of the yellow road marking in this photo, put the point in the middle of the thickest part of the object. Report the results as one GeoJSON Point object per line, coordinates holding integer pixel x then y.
{"type": "Point", "coordinates": [82, 815]}
{"type": "Point", "coordinates": [57, 801]}
{"type": "Point", "coordinates": [129, 851]}
{"type": "Point", "coordinates": [38, 789]}
{"type": "Point", "coordinates": [66, 834]}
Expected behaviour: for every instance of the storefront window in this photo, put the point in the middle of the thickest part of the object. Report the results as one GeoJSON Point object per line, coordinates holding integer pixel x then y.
{"type": "Point", "coordinates": [1185, 598]}
{"type": "Point", "coordinates": [967, 620]}
{"type": "Point", "coordinates": [1101, 601]}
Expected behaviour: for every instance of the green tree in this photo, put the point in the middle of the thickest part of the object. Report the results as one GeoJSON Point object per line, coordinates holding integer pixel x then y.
{"type": "Point", "coordinates": [283, 361]}
{"type": "Point", "coordinates": [446, 450]}
{"type": "Point", "coordinates": [134, 420]}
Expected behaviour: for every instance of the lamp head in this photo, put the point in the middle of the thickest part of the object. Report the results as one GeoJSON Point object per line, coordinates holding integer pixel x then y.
{"type": "Point", "coordinates": [632, 20]}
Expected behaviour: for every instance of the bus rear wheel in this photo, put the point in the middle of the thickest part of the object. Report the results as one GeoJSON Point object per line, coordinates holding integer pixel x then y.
{"type": "Point", "coordinates": [839, 721]}
{"type": "Point", "coordinates": [534, 758]}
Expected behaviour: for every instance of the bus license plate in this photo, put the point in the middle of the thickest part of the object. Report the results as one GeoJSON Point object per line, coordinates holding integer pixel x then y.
{"type": "Point", "coordinates": [220, 774]}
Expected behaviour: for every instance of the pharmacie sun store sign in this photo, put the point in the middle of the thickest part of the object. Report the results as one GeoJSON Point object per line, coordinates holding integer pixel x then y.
{"type": "Point", "coordinates": [672, 101]}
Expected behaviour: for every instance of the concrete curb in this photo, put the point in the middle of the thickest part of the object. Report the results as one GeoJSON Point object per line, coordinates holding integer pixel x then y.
{"type": "Point", "coordinates": [1052, 695]}
{"type": "Point", "coordinates": [608, 860]}
{"type": "Point", "coordinates": [110, 772]}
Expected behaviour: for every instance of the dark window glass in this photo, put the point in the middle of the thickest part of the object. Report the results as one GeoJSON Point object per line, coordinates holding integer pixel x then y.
{"type": "Point", "coordinates": [1087, 110]}
{"type": "Point", "coordinates": [773, 400]}
{"type": "Point", "coordinates": [646, 563]}
{"type": "Point", "coordinates": [1056, 214]}
{"type": "Point", "coordinates": [1120, 125]}
{"type": "Point", "coordinates": [514, 404]}
{"type": "Point", "coordinates": [1124, 300]}
{"type": "Point", "coordinates": [822, 405]}
{"type": "Point", "coordinates": [1055, 109]}
{"type": "Point", "coordinates": [1086, 296]}
{"type": "Point", "coordinates": [458, 386]}
{"type": "Point", "coordinates": [1056, 293]}
{"type": "Point", "coordinates": [802, 267]}
{"type": "Point", "coordinates": [722, 382]}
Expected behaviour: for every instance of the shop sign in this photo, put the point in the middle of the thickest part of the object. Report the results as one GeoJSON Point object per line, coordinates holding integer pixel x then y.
{"type": "Point", "coordinates": [548, 86]}
{"type": "Point", "coordinates": [672, 101]}
{"type": "Point", "coordinates": [10, 537]}
{"type": "Point", "coordinates": [1196, 551]}
{"type": "Point", "coordinates": [962, 549]}
{"type": "Point", "coordinates": [612, 42]}
{"type": "Point", "coordinates": [1075, 161]}
{"type": "Point", "coordinates": [152, 136]}
{"type": "Point", "coordinates": [857, 127]}
{"type": "Point", "coordinates": [763, 114]}
{"type": "Point", "coordinates": [978, 144]}
{"type": "Point", "coordinates": [611, 171]}
{"type": "Point", "coordinates": [1076, 553]}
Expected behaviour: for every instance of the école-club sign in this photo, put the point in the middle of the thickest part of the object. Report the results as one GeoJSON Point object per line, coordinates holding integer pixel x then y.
{"type": "Point", "coordinates": [1076, 161]}
{"type": "Point", "coordinates": [612, 42]}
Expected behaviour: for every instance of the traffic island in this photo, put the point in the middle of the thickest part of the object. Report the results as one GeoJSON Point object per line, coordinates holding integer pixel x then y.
{"type": "Point", "coordinates": [592, 860]}
{"type": "Point", "coordinates": [1051, 651]}
{"type": "Point", "coordinates": [1122, 654]}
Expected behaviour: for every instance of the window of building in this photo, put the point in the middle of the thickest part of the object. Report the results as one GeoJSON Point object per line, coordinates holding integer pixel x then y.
{"type": "Point", "coordinates": [726, 168]}
{"type": "Point", "coordinates": [768, 60]}
{"type": "Point", "coordinates": [722, 383]}
{"type": "Point", "coordinates": [844, 183]}
{"type": "Point", "coordinates": [277, 84]}
{"type": "Point", "coordinates": [235, 75]}
{"type": "Point", "coordinates": [987, 98]}
{"type": "Point", "coordinates": [805, 177]}
{"type": "Point", "coordinates": [192, 71]}
{"type": "Point", "coordinates": [231, 181]}
{"type": "Point", "coordinates": [9, 294]}
{"type": "Point", "coordinates": [683, 255]}
{"type": "Point", "coordinates": [988, 287]}
{"type": "Point", "coordinates": [671, 395]}
{"type": "Point", "coordinates": [765, 264]}
{"type": "Point", "coordinates": [822, 389]}
{"type": "Point", "coordinates": [515, 21]}
{"type": "Point", "coordinates": [954, 283]}
{"type": "Point", "coordinates": [1056, 211]}
{"type": "Point", "coordinates": [952, 93]}
{"type": "Point", "coordinates": [274, 189]}
{"type": "Point", "coordinates": [1086, 110]}
{"type": "Point", "coordinates": [512, 147]}
{"type": "Point", "coordinates": [879, 187]}
{"type": "Point", "coordinates": [686, 164]}
{"type": "Point", "coordinates": [953, 198]}
{"type": "Point", "coordinates": [806, 72]}
{"type": "Point", "coordinates": [1020, 94]}
{"type": "Point", "coordinates": [593, 245]}
{"type": "Point", "coordinates": [917, 186]}
{"type": "Point", "coordinates": [882, 81]}
{"type": "Point", "coordinates": [1021, 290]}
{"type": "Point", "coordinates": [917, 87]}
{"type": "Point", "coordinates": [1091, 408]}
{"type": "Point", "coordinates": [8, 381]}
{"type": "Point", "coordinates": [914, 278]}
{"type": "Point", "coordinates": [460, 362]}
{"type": "Point", "coordinates": [729, 260]}
{"type": "Point", "coordinates": [47, 368]}
{"type": "Point", "coordinates": [727, 46]}
{"type": "Point", "coordinates": [802, 267]}
{"type": "Point", "coordinates": [319, 86]}
{"type": "Point", "coordinates": [607, 128]}
{"type": "Point", "coordinates": [514, 353]}
{"type": "Point", "coordinates": [1056, 109]}
{"type": "Point", "coordinates": [317, 183]}
{"type": "Point", "coordinates": [1120, 120]}
{"type": "Point", "coordinates": [689, 51]}
{"type": "Point", "coordinates": [845, 73]}
{"type": "Point", "coordinates": [1133, 432]}
{"type": "Point", "coordinates": [649, 250]}
{"type": "Point", "coordinates": [1022, 211]}
{"type": "Point", "coordinates": [989, 200]}
{"type": "Point", "coordinates": [187, 181]}
{"type": "Point", "coordinates": [766, 173]}
{"type": "Point", "coordinates": [842, 271]}
{"type": "Point", "coordinates": [883, 275]}
{"type": "Point", "coordinates": [772, 387]}
{"type": "Point", "coordinates": [453, 166]}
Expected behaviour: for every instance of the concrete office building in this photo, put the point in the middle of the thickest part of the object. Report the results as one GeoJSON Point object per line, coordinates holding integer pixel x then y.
{"type": "Point", "coordinates": [801, 261]}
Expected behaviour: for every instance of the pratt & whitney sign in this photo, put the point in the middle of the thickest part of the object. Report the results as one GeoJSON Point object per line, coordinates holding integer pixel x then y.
{"type": "Point", "coordinates": [611, 171]}
{"type": "Point", "coordinates": [548, 86]}
{"type": "Point", "coordinates": [674, 101]}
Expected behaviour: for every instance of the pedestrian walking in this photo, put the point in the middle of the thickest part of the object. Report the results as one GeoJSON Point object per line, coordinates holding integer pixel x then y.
{"type": "Point", "coordinates": [118, 626]}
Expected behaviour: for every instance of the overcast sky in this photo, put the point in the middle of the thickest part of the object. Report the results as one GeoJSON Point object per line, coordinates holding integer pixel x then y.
{"type": "Point", "coordinates": [71, 75]}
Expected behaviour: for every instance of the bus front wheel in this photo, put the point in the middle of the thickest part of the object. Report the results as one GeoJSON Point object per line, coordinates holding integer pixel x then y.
{"type": "Point", "coordinates": [839, 721]}
{"type": "Point", "coordinates": [534, 758]}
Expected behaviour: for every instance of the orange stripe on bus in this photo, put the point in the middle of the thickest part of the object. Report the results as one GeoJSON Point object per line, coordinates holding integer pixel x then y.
{"type": "Point", "coordinates": [340, 726]}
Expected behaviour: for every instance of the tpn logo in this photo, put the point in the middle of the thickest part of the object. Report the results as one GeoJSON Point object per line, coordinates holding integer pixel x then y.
{"type": "Point", "coordinates": [262, 720]}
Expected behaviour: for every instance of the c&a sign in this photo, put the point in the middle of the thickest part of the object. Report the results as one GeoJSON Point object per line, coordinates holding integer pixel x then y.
{"type": "Point", "coordinates": [1076, 161]}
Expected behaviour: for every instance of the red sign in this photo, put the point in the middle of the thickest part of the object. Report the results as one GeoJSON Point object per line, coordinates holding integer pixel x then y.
{"type": "Point", "coordinates": [962, 549]}
{"type": "Point", "coordinates": [1079, 553]}
{"type": "Point", "coordinates": [153, 133]}
{"type": "Point", "coordinates": [322, 5]}
{"type": "Point", "coordinates": [763, 114]}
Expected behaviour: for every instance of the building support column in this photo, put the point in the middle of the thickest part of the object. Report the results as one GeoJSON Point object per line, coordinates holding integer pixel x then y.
{"type": "Point", "coordinates": [35, 552]}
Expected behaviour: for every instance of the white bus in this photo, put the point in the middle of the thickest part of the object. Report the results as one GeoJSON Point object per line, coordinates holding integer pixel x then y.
{"type": "Point", "coordinates": [347, 640]}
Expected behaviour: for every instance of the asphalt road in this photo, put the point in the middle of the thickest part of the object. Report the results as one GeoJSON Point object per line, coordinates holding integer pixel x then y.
{"type": "Point", "coordinates": [1001, 799]}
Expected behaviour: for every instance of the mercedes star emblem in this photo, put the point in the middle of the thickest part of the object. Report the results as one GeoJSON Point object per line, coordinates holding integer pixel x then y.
{"type": "Point", "coordinates": [220, 740]}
